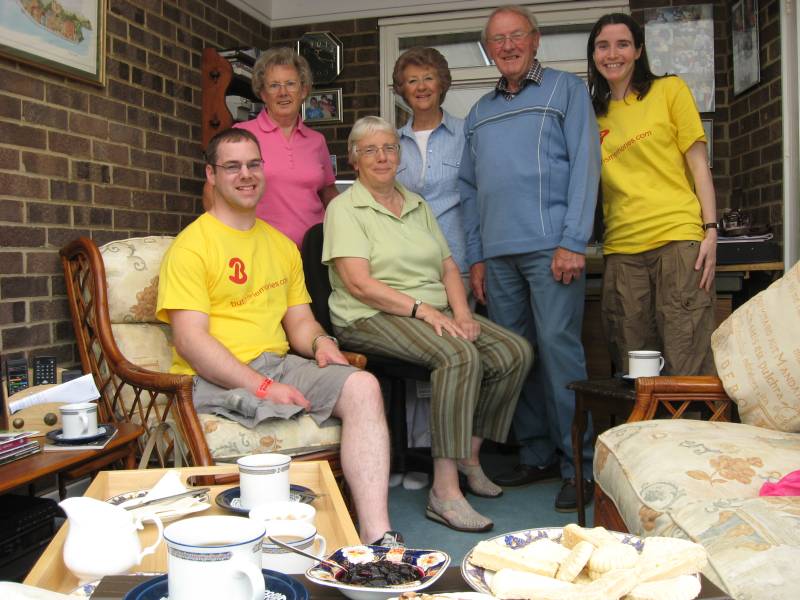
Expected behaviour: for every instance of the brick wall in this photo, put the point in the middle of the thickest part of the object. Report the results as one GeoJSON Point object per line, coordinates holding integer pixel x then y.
{"type": "Point", "coordinates": [747, 128]}
{"type": "Point", "coordinates": [111, 162]}
{"type": "Point", "coordinates": [360, 78]}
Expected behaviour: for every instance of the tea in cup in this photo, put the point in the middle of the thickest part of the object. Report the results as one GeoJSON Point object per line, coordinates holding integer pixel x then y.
{"type": "Point", "coordinates": [215, 557]}
{"type": "Point", "coordinates": [288, 510]}
{"type": "Point", "coordinates": [263, 478]}
{"type": "Point", "coordinates": [645, 363]}
{"type": "Point", "coordinates": [297, 534]}
{"type": "Point", "coordinates": [78, 420]}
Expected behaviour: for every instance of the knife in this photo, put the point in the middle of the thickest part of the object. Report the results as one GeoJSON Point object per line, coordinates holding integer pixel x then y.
{"type": "Point", "coordinates": [188, 493]}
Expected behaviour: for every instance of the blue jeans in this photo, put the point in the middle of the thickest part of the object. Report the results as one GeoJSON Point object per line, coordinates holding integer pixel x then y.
{"type": "Point", "coordinates": [523, 297]}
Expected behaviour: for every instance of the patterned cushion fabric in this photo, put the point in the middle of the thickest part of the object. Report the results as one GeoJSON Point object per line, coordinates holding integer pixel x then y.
{"type": "Point", "coordinates": [228, 440]}
{"type": "Point", "coordinates": [132, 269]}
{"type": "Point", "coordinates": [757, 354]}
{"type": "Point", "coordinates": [679, 477]}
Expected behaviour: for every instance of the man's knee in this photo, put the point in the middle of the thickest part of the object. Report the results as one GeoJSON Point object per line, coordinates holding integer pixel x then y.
{"type": "Point", "coordinates": [361, 391]}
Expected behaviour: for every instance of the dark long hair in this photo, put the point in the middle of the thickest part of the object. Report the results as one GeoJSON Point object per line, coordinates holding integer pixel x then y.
{"type": "Point", "coordinates": [642, 78]}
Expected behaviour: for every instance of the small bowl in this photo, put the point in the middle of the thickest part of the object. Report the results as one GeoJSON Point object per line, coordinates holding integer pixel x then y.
{"type": "Point", "coordinates": [432, 562]}
{"type": "Point", "coordinates": [287, 510]}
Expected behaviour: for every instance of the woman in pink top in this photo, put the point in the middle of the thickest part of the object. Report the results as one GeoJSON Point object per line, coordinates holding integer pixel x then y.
{"type": "Point", "coordinates": [297, 166]}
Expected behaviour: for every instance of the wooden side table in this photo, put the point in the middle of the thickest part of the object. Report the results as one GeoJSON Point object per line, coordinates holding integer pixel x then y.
{"type": "Point", "coordinates": [610, 401]}
{"type": "Point", "coordinates": [72, 464]}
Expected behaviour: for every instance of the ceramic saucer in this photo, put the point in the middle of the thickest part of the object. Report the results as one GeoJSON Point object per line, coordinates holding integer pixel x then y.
{"type": "Point", "coordinates": [87, 589]}
{"type": "Point", "coordinates": [229, 499]}
{"type": "Point", "coordinates": [279, 587]}
{"type": "Point", "coordinates": [57, 437]}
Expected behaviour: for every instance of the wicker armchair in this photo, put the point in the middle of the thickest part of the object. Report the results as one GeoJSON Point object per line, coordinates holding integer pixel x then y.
{"type": "Point", "coordinates": [138, 389]}
{"type": "Point", "coordinates": [667, 397]}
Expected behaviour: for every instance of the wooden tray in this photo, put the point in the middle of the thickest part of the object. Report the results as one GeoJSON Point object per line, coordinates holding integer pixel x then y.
{"type": "Point", "coordinates": [333, 520]}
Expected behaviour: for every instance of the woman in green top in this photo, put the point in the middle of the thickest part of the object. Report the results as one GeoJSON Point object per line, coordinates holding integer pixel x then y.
{"type": "Point", "coordinates": [397, 292]}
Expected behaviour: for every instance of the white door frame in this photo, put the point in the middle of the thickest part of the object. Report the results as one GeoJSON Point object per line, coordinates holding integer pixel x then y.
{"type": "Point", "coordinates": [790, 75]}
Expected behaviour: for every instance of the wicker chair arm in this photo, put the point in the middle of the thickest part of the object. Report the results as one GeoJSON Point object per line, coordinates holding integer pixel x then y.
{"type": "Point", "coordinates": [677, 394]}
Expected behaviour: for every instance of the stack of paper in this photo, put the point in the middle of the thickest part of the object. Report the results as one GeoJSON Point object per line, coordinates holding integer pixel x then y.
{"type": "Point", "coordinates": [16, 445]}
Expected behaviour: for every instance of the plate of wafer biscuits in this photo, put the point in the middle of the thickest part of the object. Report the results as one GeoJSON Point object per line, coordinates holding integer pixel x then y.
{"type": "Point", "coordinates": [577, 563]}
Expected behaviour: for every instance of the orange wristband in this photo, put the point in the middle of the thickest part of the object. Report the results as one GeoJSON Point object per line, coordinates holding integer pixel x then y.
{"type": "Point", "coordinates": [261, 392]}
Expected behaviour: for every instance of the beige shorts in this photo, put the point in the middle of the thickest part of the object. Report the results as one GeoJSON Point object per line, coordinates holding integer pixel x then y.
{"type": "Point", "coordinates": [652, 301]}
{"type": "Point", "coordinates": [321, 387]}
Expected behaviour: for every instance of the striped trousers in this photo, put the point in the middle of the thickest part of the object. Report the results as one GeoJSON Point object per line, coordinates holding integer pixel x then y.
{"type": "Point", "coordinates": [474, 385]}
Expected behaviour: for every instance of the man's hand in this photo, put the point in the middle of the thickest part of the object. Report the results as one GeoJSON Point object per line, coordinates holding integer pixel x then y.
{"type": "Point", "coordinates": [477, 281]}
{"type": "Point", "coordinates": [567, 265]}
{"type": "Point", "coordinates": [281, 393]}
{"type": "Point", "coordinates": [470, 327]}
{"type": "Point", "coordinates": [707, 259]}
{"type": "Point", "coordinates": [328, 353]}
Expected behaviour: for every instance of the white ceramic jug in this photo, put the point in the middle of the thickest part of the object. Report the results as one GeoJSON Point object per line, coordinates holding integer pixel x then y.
{"type": "Point", "coordinates": [102, 538]}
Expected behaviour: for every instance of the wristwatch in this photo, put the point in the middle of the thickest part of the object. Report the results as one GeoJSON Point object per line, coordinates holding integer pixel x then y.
{"type": "Point", "coordinates": [417, 302]}
{"type": "Point", "coordinates": [707, 226]}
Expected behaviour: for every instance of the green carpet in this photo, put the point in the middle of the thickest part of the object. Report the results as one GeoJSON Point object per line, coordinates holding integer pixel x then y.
{"type": "Point", "coordinates": [518, 508]}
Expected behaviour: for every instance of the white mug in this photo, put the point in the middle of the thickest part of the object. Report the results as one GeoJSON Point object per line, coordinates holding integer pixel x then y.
{"type": "Point", "coordinates": [284, 510]}
{"type": "Point", "coordinates": [78, 420]}
{"type": "Point", "coordinates": [263, 478]}
{"type": "Point", "coordinates": [645, 363]}
{"type": "Point", "coordinates": [296, 534]}
{"type": "Point", "coordinates": [215, 557]}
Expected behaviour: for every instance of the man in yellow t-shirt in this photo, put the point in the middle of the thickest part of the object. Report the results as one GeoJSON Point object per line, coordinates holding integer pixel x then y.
{"type": "Point", "coordinates": [232, 288]}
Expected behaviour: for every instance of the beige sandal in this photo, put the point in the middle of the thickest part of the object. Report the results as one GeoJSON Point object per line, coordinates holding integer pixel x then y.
{"type": "Point", "coordinates": [478, 483]}
{"type": "Point", "coordinates": [456, 514]}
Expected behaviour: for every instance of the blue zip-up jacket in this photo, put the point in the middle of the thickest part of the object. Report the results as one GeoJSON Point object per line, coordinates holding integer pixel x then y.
{"type": "Point", "coordinates": [530, 169]}
{"type": "Point", "coordinates": [439, 184]}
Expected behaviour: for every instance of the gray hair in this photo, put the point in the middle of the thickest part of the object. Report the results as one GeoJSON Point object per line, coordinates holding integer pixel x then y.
{"type": "Point", "coordinates": [512, 8]}
{"type": "Point", "coordinates": [283, 56]}
{"type": "Point", "coordinates": [362, 128]}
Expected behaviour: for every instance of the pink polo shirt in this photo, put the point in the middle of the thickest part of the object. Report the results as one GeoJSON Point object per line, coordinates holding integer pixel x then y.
{"type": "Point", "coordinates": [294, 171]}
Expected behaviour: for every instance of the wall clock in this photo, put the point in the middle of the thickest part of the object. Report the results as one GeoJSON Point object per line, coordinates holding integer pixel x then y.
{"type": "Point", "coordinates": [323, 51]}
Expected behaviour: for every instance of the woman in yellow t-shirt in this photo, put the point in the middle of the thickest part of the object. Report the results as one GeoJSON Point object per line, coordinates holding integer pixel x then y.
{"type": "Point", "coordinates": [659, 208]}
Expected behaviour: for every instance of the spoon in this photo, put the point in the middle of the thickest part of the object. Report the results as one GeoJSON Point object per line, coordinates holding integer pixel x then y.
{"type": "Point", "coordinates": [187, 493]}
{"type": "Point", "coordinates": [330, 563]}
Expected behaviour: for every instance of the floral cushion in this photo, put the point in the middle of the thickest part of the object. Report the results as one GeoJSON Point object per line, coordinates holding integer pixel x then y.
{"type": "Point", "coordinates": [132, 269]}
{"type": "Point", "coordinates": [671, 477]}
{"type": "Point", "coordinates": [757, 354]}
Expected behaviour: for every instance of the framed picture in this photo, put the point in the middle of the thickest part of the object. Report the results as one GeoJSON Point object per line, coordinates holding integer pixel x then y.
{"type": "Point", "coordinates": [708, 127]}
{"type": "Point", "coordinates": [680, 40]}
{"type": "Point", "coordinates": [67, 37]}
{"type": "Point", "coordinates": [746, 64]}
{"type": "Point", "coordinates": [323, 106]}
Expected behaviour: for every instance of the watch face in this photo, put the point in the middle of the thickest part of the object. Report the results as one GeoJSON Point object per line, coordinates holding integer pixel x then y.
{"type": "Point", "coordinates": [323, 51]}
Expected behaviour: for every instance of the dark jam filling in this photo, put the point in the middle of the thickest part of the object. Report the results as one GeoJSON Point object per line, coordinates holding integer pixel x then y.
{"type": "Point", "coordinates": [381, 573]}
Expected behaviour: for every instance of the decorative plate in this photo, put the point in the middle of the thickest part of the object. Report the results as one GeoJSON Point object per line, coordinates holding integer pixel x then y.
{"type": "Point", "coordinates": [57, 437]}
{"type": "Point", "coordinates": [229, 499]}
{"type": "Point", "coordinates": [166, 514]}
{"type": "Point", "coordinates": [479, 578]}
{"type": "Point", "coordinates": [432, 562]}
{"type": "Point", "coordinates": [279, 587]}
{"type": "Point", "coordinates": [87, 589]}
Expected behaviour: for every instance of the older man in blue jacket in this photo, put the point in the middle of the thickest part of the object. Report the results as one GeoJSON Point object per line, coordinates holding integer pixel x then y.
{"type": "Point", "coordinates": [528, 179]}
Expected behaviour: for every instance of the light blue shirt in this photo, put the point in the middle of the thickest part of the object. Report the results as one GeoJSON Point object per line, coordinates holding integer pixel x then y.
{"type": "Point", "coordinates": [439, 183]}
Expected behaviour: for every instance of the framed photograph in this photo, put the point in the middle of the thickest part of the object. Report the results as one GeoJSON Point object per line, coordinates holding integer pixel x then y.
{"type": "Point", "coordinates": [66, 37]}
{"type": "Point", "coordinates": [323, 106]}
{"type": "Point", "coordinates": [708, 127]}
{"type": "Point", "coordinates": [746, 63]}
{"type": "Point", "coordinates": [680, 40]}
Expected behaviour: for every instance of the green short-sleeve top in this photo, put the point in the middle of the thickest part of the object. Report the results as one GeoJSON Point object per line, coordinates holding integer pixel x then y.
{"type": "Point", "coordinates": [404, 252]}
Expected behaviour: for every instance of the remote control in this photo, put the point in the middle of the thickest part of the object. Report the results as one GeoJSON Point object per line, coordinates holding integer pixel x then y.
{"type": "Point", "coordinates": [44, 370]}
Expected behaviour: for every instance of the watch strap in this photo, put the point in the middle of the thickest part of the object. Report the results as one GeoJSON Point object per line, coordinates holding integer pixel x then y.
{"type": "Point", "coordinates": [713, 225]}
{"type": "Point", "coordinates": [417, 302]}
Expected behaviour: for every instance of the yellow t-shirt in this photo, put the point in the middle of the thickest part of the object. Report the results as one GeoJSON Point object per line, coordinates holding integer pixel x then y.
{"type": "Point", "coordinates": [243, 280]}
{"type": "Point", "coordinates": [648, 194]}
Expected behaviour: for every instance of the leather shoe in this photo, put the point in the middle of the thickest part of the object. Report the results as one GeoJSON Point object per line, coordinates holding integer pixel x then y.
{"type": "Point", "coordinates": [567, 499]}
{"type": "Point", "coordinates": [525, 474]}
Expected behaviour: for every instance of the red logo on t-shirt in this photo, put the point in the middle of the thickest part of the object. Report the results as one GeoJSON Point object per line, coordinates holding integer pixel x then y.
{"type": "Point", "coordinates": [603, 134]}
{"type": "Point", "coordinates": [239, 276]}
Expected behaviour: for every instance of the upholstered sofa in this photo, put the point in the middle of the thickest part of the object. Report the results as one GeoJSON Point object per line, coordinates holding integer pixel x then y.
{"type": "Point", "coordinates": [112, 292]}
{"type": "Point", "coordinates": [700, 480]}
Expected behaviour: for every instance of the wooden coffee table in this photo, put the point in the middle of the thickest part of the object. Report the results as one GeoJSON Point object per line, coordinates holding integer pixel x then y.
{"type": "Point", "coordinates": [333, 521]}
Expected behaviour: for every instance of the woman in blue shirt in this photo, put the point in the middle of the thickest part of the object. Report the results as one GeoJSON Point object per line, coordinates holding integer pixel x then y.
{"type": "Point", "coordinates": [431, 144]}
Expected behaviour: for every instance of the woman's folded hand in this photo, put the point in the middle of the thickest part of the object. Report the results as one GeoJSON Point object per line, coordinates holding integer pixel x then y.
{"type": "Point", "coordinates": [470, 327]}
{"type": "Point", "coordinates": [440, 321]}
